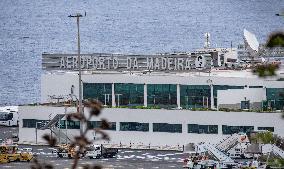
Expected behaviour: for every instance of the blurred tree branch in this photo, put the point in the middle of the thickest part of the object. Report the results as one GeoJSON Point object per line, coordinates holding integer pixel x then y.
{"type": "Point", "coordinates": [81, 141]}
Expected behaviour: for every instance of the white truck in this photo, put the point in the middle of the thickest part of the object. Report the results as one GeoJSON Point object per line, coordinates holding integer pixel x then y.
{"type": "Point", "coordinates": [98, 151]}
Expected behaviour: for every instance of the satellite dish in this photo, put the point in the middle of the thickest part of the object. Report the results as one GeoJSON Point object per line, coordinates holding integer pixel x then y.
{"type": "Point", "coordinates": [200, 62]}
{"type": "Point", "coordinates": [251, 41]}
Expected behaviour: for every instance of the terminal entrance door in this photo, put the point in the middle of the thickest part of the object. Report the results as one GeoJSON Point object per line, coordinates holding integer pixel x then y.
{"type": "Point", "coordinates": [245, 104]}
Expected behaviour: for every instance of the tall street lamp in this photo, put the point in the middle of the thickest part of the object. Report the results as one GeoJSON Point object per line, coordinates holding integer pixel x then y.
{"type": "Point", "coordinates": [36, 129]}
{"type": "Point", "coordinates": [210, 83]}
{"type": "Point", "coordinates": [78, 16]}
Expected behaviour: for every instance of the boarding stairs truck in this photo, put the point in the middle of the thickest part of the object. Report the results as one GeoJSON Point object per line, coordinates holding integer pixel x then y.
{"type": "Point", "coordinates": [54, 126]}
{"type": "Point", "coordinates": [270, 148]}
{"type": "Point", "coordinates": [223, 161]}
{"type": "Point", "coordinates": [278, 151]}
{"type": "Point", "coordinates": [98, 151]}
{"type": "Point", "coordinates": [235, 145]}
{"type": "Point", "coordinates": [217, 153]}
{"type": "Point", "coordinates": [230, 142]}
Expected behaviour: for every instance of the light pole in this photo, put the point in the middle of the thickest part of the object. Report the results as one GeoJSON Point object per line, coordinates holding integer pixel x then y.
{"type": "Point", "coordinates": [65, 112]}
{"type": "Point", "coordinates": [36, 129]}
{"type": "Point", "coordinates": [210, 83]}
{"type": "Point", "coordinates": [77, 16]}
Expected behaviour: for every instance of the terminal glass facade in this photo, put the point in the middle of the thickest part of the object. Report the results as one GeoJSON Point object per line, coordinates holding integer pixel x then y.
{"type": "Point", "coordinates": [128, 94]}
{"type": "Point", "coordinates": [98, 124]}
{"type": "Point", "coordinates": [98, 91]}
{"type": "Point", "coordinates": [236, 129]}
{"type": "Point", "coordinates": [202, 129]}
{"type": "Point", "coordinates": [275, 98]}
{"type": "Point", "coordinates": [165, 95]}
{"type": "Point", "coordinates": [195, 96]}
{"type": "Point", "coordinates": [134, 126]}
{"type": "Point", "coordinates": [165, 127]}
{"type": "Point", "coordinates": [162, 95]}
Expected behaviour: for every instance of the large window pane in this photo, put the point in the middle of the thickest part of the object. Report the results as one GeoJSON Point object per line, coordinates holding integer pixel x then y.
{"type": "Point", "coordinates": [236, 129]}
{"type": "Point", "coordinates": [195, 96]}
{"type": "Point", "coordinates": [162, 95]}
{"type": "Point", "coordinates": [266, 128]}
{"type": "Point", "coordinates": [32, 123]}
{"type": "Point", "coordinates": [98, 124]}
{"type": "Point", "coordinates": [98, 91]}
{"type": "Point", "coordinates": [275, 98]}
{"type": "Point", "coordinates": [134, 126]}
{"type": "Point", "coordinates": [127, 94]}
{"type": "Point", "coordinates": [165, 127]}
{"type": "Point", "coordinates": [202, 129]}
{"type": "Point", "coordinates": [70, 124]}
{"type": "Point", "coordinates": [29, 123]}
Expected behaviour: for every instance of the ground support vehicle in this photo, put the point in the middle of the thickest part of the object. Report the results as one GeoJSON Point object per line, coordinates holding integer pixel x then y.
{"type": "Point", "coordinates": [10, 153]}
{"type": "Point", "coordinates": [68, 151]}
{"type": "Point", "coordinates": [98, 151]}
{"type": "Point", "coordinates": [4, 158]}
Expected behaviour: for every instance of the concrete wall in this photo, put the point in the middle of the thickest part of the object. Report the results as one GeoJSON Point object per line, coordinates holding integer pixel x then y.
{"type": "Point", "coordinates": [232, 98]}
{"type": "Point", "coordinates": [184, 117]}
{"type": "Point", "coordinates": [58, 85]}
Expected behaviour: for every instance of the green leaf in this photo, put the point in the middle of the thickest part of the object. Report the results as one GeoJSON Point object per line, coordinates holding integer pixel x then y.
{"type": "Point", "coordinates": [276, 39]}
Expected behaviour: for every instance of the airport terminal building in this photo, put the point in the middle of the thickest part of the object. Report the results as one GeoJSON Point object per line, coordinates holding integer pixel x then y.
{"type": "Point", "coordinates": [154, 100]}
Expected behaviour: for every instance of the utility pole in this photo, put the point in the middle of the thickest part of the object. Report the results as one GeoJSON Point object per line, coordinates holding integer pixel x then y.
{"type": "Point", "coordinates": [36, 129]}
{"type": "Point", "coordinates": [210, 83]}
{"type": "Point", "coordinates": [77, 16]}
{"type": "Point", "coordinates": [65, 112]}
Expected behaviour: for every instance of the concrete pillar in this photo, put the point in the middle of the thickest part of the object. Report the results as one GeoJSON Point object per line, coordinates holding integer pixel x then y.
{"type": "Point", "coordinates": [151, 127]}
{"type": "Point", "coordinates": [184, 128]}
{"type": "Point", "coordinates": [112, 96]}
{"type": "Point", "coordinates": [220, 132]}
{"type": "Point", "coordinates": [212, 97]}
{"type": "Point", "coordinates": [117, 126]}
{"type": "Point", "coordinates": [145, 95]}
{"type": "Point", "coordinates": [178, 96]}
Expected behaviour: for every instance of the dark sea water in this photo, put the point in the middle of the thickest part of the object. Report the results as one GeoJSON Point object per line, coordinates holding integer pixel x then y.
{"type": "Point", "coordinates": [30, 27]}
